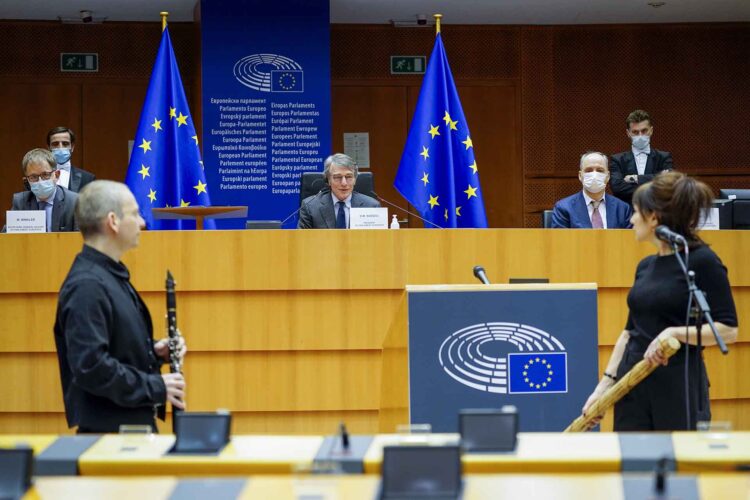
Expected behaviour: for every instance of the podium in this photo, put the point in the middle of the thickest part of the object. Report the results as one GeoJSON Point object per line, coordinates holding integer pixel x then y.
{"type": "Point", "coordinates": [453, 347]}
{"type": "Point", "coordinates": [199, 213]}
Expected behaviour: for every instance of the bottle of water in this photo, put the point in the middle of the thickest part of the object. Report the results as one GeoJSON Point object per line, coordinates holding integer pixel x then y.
{"type": "Point", "coordinates": [394, 222]}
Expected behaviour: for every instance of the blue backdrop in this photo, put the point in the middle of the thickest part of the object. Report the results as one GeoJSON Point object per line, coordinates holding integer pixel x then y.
{"type": "Point", "coordinates": [536, 350]}
{"type": "Point", "coordinates": [266, 101]}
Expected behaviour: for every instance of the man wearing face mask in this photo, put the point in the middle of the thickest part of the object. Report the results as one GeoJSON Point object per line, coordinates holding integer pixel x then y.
{"type": "Point", "coordinates": [591, 208]}
{"type": "Point", "coordinates": [41, 175]}
{"type": "Point", "coordinates": [61, 141]}
{"type": "Point", "coordinates": [639, 165]}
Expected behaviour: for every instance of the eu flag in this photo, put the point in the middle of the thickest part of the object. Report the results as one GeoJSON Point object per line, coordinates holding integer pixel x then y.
{"type": "Point", "coordinates": [538, 372]}
{"type": "Point", "coordinates": [438, 174]}
{"type": "Point", "coordinates": [287, 80]}
{"type": "Point", "coordinates": [165, 167]}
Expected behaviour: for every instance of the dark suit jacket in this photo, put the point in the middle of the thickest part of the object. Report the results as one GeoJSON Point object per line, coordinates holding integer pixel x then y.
{"type": "Point", "coordinates": [571, 212]}
{"type": "Point", "coordinates": [63, 209]}
{"type": "Point", "coordinates": [622, 164]}
{"type": "Point", "coordinates": [317, 211]}
{"type": "Point", "coordinates": [79, 178]}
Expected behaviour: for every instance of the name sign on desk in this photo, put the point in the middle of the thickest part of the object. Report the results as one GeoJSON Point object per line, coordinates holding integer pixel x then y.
{"type": "Point", "coordinates": [368, 218]}
{"type": "Point", "coordinates": [26, 221]}
{"type": "Point", "coordinates": [534, 348]}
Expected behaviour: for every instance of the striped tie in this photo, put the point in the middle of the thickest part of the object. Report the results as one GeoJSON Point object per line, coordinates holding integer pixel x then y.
{"type": "Point", "coordinates": [596, 217]}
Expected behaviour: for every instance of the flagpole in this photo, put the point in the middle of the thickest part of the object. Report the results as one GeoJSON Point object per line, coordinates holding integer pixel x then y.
{"type": "Point", "coordinates": [163, 15]}
{"type": "Point", "coordinates": [437, 23]}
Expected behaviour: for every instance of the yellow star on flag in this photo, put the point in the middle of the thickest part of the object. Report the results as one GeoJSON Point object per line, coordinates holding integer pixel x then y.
{"type": "Point", "coordinates": [425, 153]}
{"type": "Point", "coordinates": [145, 146]}
{"type": "Point", "coordinates": [472, 191]}
{"type": "Point", "coordinates": [144, 171]}
{"type": "Point", "coordinates": [446, 214]}
{"type": "Point", "coordinates": [425, 178]}
{"type": "Point", "coordinates": [433, 201]}
{"type": "Point", "coordinates": [468, 142]}
{"type": "Point", "coordinates": [195, 137]}
{"type": "Point", "coordinates": [433, 131]}
{"type": "Point", "coordinates": [473, 166]}
{"type": "Point", "coordinates": [181, 120]}
{"type": "Point", "coordinates": [201, 187]}
{"type": "Point", "coordinates": [458, 211]}
{"type": "Point", "coordinates": [152, 195]}
{"type": "Point", "coordinates": [156, 125]}
{"type": "Point", "coordinates": [452, 125]}
{"type": "Point", "coordinates": [447, 118]}
{"type": "Point", "coordinates": [172, 112]}
{"type": "Point", "coordinates": [184, 203]}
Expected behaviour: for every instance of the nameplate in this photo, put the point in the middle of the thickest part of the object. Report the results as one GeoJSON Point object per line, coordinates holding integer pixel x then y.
{"type": "Point", "coordinates": [709, 219]}
{"type": "Point", "coordinates": [26, 221]}
{"type": "Point", "coordinates": [368, 218]}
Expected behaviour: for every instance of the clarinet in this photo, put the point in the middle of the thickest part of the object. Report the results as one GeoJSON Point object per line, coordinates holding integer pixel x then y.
{"type": "Point", "coordinates": [175, 363]}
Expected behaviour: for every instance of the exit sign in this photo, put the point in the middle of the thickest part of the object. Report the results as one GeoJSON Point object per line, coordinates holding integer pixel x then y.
{"type": "Point", "coordinates": [408, 65]}
{"type": "Point", "coordinates": [79, 62]}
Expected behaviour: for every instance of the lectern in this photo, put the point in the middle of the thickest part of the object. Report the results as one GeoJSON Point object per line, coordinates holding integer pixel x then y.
{"type": "Point", "coordinates": [452, 347]}
{"type": "Point", "coordinates": [199, 213]}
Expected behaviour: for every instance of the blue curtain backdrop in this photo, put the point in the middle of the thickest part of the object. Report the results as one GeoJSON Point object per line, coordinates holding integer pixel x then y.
{"type": "Point", "coordinates": [165, 167]}
{"type": "Point", "coordinates": [438, 174]}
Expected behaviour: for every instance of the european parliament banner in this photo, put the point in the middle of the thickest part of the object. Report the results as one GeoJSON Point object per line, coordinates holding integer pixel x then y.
{"type": "Point", "coordinates": [266, 101]}
{"type": "Point", "coordinates": [485, 347]}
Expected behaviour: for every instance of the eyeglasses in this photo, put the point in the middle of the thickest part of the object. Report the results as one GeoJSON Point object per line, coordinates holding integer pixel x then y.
{"type": "Point", "coordinates": [45, 176]}
{"type": "Point", "coordinates": [339, 178]}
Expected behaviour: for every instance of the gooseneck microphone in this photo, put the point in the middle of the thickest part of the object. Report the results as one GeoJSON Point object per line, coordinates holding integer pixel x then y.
{"type": "Point", "coordinates": [480, 275]}
{"type": "Point", "coordinates": [668, 236]}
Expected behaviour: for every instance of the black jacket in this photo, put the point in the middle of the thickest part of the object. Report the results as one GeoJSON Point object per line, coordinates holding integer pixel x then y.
{"type": "Point", "coordinates": [622, 164]}
{"type": "Point", "coordinates": [104, 337]}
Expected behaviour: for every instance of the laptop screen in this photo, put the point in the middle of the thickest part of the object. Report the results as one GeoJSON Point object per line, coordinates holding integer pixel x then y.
{"type": "Point", "coordinates": [421, 471]}
{"type": "Point", "coordinates": [201, 432]}
{"type": "Point", "coordinates": [488, 431]}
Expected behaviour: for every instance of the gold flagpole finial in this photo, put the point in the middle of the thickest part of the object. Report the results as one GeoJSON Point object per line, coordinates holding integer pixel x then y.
{"type": "Point", "coordinates": [163, 20]}
{"type": "Point", "coordinates": [437, 23]}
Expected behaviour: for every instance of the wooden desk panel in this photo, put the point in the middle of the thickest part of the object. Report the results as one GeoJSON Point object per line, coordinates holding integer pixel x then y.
{"type": "Point", "coordinates": [256, 305]}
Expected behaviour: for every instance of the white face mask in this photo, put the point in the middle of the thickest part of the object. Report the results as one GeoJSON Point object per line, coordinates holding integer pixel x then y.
{"type": "Point", "coordinates": [594, 182]}
{"type": "Point", "coordinates": [640, 142]}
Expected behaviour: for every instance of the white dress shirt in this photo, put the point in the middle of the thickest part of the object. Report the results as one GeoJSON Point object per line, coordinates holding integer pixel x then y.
{"type": "Point", "coordinates": [641, 158]}
{"type": "Point", "coordinates": [64, 179]}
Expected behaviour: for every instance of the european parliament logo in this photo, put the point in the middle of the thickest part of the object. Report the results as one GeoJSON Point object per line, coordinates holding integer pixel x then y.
{"type": "Point", "coordinates": [269, 73]}
{"type": "Point", "coordinates": [479, 356]}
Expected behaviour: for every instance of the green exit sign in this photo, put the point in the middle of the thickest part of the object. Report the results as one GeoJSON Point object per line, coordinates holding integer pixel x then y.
{"type": "Point", "coordinates": [408, 65]}
{"type": "Point", "coordinates": [79, 62]}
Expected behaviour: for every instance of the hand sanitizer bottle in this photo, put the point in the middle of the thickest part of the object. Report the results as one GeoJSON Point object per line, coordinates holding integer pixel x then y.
{"type": "Point", "coordinates": [394, 222]}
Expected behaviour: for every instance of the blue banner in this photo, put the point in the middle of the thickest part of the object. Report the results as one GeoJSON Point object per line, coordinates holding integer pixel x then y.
{"type": "Point", "coordinates": [438, 173]}
{"type": "Point", "coordinates": [266, 102]}
{"type": "Point", "coordinates": [165, 167]}
{"type": "Point", "coordinates": [491, 348]}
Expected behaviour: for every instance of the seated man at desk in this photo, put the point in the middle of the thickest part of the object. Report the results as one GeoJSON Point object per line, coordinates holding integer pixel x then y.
{"type": "Point", "coordinates": [329, 209]}
{"type": "Point", "coordinates": [40, 175]}
{"type": "Point", "coordinates": [591, 208]}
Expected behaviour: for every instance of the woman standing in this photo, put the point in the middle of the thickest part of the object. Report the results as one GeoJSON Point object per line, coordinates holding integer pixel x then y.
{"type": "Point", "coordinates": [658, 304]}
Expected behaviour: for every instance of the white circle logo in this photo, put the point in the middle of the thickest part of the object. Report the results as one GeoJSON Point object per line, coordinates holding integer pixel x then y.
{"type": "Point", "coordinates": [465, 354]}
{"type": "Point", "coordinates": [257, 71]}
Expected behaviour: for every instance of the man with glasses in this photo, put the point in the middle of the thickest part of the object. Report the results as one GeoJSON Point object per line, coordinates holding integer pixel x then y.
{"type": "Point", "coordinates": [40, 175]}
{"type": "Point", "coordinates": [329, 209]}
{"type": "Point", "coordinates": [62, 141]}
{"type": "Point", "coordinates": [639, 165]}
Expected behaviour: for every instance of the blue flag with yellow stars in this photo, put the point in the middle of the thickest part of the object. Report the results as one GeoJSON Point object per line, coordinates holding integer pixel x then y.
{"type": "Point", "coordinates": [165, 167]}
{"type": "Point", "coordinates": [438, 174]}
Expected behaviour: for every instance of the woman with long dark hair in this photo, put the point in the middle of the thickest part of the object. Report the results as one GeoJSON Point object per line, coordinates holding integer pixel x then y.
{"type": "Point", "coordinates": [658, 308]}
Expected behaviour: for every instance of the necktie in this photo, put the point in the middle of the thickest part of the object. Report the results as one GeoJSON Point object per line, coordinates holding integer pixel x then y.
{"type": "Point", "coordinates": [48, 210]}
{"type": "Point", "coordinates": [341, 216]}
{"type": "Point", "coordinates": [596, 217]}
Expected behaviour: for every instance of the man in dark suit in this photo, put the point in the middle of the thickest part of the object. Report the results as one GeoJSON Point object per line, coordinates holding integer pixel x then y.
{"type": "Point", "coordinates": [591, 207]}
{"type": "Point", "coordinates": [39, 172]}
{"type": "Point", "coordinates": [329, 209]}
{"type": "Point", "coordinates": [639, 165]}
{"type": "Point", "coordinates": [62, 141]}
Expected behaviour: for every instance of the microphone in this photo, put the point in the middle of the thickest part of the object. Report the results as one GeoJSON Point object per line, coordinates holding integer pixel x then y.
{"type": "Point", "coordinates": [344, 436]}
{"type": "Point", "coordinates": [480, 275]}
{"type": "Point", "coordinates": [668, 236]}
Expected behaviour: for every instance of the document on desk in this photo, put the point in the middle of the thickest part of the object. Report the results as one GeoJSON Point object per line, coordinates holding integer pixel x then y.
{"type": "Point", "coordinates": [368, 218]}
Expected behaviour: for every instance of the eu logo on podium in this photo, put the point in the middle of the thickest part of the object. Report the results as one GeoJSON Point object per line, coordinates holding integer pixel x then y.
{"type": "Point", "coordinates": [538, 372]}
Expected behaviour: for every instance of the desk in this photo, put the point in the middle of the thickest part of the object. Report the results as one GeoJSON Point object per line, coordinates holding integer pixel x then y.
{"type": "Point", "coordinates": [286, 328]}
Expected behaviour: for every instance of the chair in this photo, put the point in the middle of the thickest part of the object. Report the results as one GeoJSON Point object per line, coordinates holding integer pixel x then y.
{"type": "Point", "coordinates": [312, 182]}
{"type": "Point", "coordinates": [547, 219]}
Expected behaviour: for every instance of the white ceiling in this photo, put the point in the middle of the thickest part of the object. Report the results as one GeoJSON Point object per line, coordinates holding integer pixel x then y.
{"type": "Point", "coordinates": [383, 11]}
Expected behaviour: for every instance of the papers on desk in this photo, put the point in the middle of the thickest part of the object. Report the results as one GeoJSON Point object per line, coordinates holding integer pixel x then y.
{"type": "Point", "coordinates": [26, 221]}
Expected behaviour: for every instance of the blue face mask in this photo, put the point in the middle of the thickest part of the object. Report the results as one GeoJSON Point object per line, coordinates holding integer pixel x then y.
{"type": "Point", "coordinates": [641, 142]}
{"type": "Point", "coordinates": [43, 189]}
{"type": "Point", "coordinates": [62, 155]}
